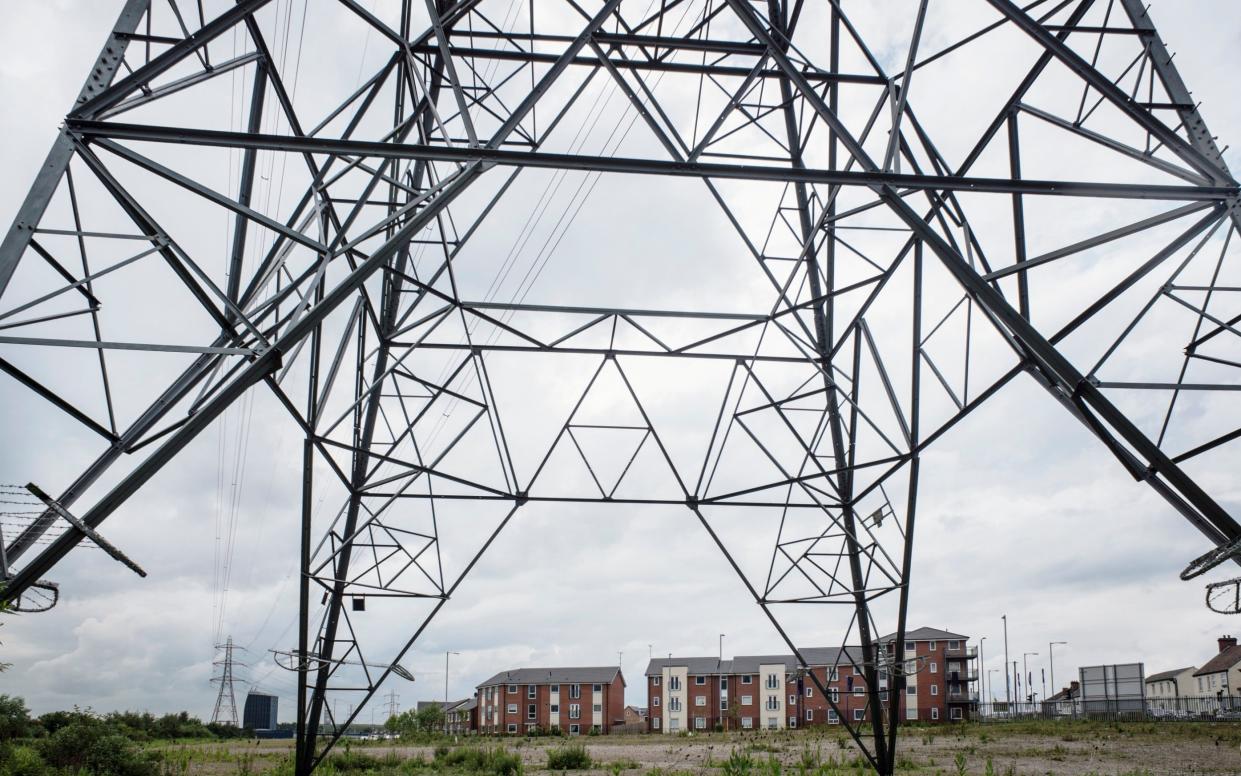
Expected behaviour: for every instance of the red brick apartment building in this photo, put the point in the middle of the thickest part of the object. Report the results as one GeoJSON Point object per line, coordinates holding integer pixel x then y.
{"type": "Point", "coordinates": [461, 717]}
{"type": "Point", "coordinates": [570, 700]}
{"type": "Point", "coordinates": [768, 691]}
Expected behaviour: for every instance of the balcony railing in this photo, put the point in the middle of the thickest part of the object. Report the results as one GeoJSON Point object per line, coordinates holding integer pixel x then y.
{"type": "Point", "coordinates": [963, 697]}
{"type": "Point", "coordinates": [967, 652]}
{"type": "Point", "coordinates": [963, 676]}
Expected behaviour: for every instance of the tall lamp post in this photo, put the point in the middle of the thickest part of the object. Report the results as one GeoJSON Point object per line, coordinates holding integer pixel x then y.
{"type": "Point", "coordinates": [1007, 698]}
{"type": "Point", "coordinates": [990, 671]}
{"type": "Point", "coordinates": [1025, 670]}
{"type": "Point", "coordinates": [446, 654]}
{"type": "Point", "coordinates": [982, 666]}
{"type": "Point", "coordinates": [1051, 659]}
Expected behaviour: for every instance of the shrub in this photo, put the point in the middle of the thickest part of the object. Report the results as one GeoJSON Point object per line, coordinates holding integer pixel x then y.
{"type": "Point", "coordinates": [95, 748]}
{"type": "Point", "coordinates": [738, 764]}
{"type": "Point", "coordinates": [498, 761]}
{"type": "Point", "coordinates": [18, 760]}
{"type": "Point", "coordinates": [568, 758]}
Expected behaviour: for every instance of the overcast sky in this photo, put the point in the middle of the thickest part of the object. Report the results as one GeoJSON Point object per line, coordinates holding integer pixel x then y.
{"type": "Point", "coordinates": [1022, 512]}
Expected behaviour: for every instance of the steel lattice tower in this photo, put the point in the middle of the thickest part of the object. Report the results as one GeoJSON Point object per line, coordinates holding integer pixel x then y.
{"type": "Point", "coordinates": [920, 228]}
{"type": "Point", "coordinates": [225, 701]}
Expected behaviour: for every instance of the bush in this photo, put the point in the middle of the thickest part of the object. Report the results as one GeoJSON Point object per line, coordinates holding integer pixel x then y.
{"type": "Point", "coordinates": [17, 760]}
{"type": "Point", "coordinates": [95, 748]}
{"type": "Point", "coordinates": [568, 758]}
{"type": "Point", "coordinates": [737, 764]}
{"type": "Point", "coordinates": [498, 761]}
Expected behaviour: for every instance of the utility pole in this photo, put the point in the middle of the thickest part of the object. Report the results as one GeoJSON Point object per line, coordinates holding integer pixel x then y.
{"type": "Point", "coordinates": [1007, 698]}
{"type": "Point", "coordinates": [1051, 660]}
{"type": "Point", "coordinates": [1025, 670]}
{"type": "Point", "coordinates": [225, 701]}
{"type": "Point", "coordinates": [446, 654]}
{"type": "Point", "coordinates": [721, 647]}
{"type": "Point", "coordinates": [982, 668]}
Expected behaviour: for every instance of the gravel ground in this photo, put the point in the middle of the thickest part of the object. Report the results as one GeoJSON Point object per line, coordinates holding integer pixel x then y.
{"type": "Point", "coordinates": [1109, 752]}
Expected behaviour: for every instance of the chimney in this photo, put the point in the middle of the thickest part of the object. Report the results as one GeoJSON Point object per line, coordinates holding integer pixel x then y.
{"type": "Point", "coordinates": [1227, 641]}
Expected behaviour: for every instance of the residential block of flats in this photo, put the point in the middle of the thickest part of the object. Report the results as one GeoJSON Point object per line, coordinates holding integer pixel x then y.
{"type": "Point", "coordinates": [568, 700]}
{"type": "Point", "coordinates": [774, 692]}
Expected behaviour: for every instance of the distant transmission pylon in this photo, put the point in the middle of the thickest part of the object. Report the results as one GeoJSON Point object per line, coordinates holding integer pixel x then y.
{"type": "Point", "coordinates": [393, 704]}
{"type": "Point", "coordinates": [225, 701]}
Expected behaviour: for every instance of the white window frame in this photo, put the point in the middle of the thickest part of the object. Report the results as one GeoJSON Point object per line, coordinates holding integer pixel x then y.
{"type": "Point", "coordinates": [724, 703]}
{"type": "Point", "coordinates": [747, 679]}
{"type": "Point", "coordinates": [555, 708]}
{"type": "Point", "coordinates": [746, 700]}
{"type": "Point", "coordinates": [655, 681]}
{"type": "Point", "coordinates": [955, 713]}
{"type": "Point", "coordinates": [932, 647]}
{"type": "Point", "coordinates": [532, 711]}
{"type": "Point", "coordinates": [859, 689]}
{"type": "Point", "coordinates": [700, 680]}
{"type": "Point", "coordinates": [792, 700]}
{"type": "Point", "coordinates": [809, 715]}
{"type": "Point", "coordinates": [575, 730]}
{"type": "Point", "coordinates": [575, 691]}
{"type": "Point", "coordinates": [512, 689]}
{"type": "Point", "coordinates": [835, 694]}
{"type": "Point", "coordinates": [859, 715]}
{"type": "Point", "coordinates": [700, 723]}
{"type": "Point", "coordinates": [723, 682]}
{"type": "Point", "coordinates": [674, 683]}
{"type": "Point", "coordinates": [747, 723]}
{"type": "Point", "coordinates": [700, 700]}
{"type": "Point", "coordinates": [934, 689]}
{"type": "Point", "coordinates": [773, 682]}
{"type": "Point", "coordinates": [832, 717]}
{"type": "Point", "coordinates": [655, 701]}
{"type": "Point", "coordinates": [954, 645]}
{"type": "Point", "coordinates": [911, 713]}
{"type": "Point", "coordinates": [674, 704]}
{"type": "Point", "coordinates": [935, 668]}
{"type": "Point", "coordinates": [793, 721]}
{"type": "Point", "coordinates": [532, 691]}
{"type": "Point", "coordinates": [596, 708]}
{"type": "Point", "coordinates": [596, 688]}
{"type": "Point", "coordinates": [655, 723]}
{"type": "Point", "coordinates": [511, 709]}
{"type": "Point", "coordinates": [809, 692]}
{"type": "Point", "coordinates": [575, 711]}
{"type": "Point", "coordinates": [934, 712]}
{"type": "Point", "coordinates": [773, 723]}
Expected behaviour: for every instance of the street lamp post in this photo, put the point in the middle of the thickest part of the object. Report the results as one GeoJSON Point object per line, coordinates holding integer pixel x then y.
{"type": "Point", "coordinates": [1051, 659]}
{"type": "Point", "coordinates": [982, 666]}
{"type": "Point", "coordinates": [1007, 697]}
{"type": "Point", "coordinates": [446, 654]}
{"type": "Point", "coordinates": [990, 671]}
{"type": "Point", "coordinates": [721, 647]}
{"type": "Point", "coordinates": [1025, 670]}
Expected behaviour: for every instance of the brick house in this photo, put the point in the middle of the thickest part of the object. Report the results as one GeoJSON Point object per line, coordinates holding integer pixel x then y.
{"type": "Point", "coordinates": [572, 700]}
{"type": "Point", "coordinates": [461, 717]}
{"type": "Point", "coordinates": [772, 692]}
{"type": "Point", "coordinates": [1220, 677]}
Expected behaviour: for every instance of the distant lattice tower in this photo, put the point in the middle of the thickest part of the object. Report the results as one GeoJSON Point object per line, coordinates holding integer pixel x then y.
{"type": "Point", "coordinates": [225, 700]}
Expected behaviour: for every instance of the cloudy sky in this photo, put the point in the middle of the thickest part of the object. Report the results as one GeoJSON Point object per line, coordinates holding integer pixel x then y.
{"type": "Point", "coordinates": [1022, 513]}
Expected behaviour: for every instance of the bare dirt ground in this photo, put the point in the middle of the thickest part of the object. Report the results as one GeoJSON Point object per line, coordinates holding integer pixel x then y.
{"type": "Point", "coordinates": [1069, 751]}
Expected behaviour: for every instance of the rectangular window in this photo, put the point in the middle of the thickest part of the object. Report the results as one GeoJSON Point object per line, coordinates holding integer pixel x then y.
{"type": "Point", "coordinates": [723, 682]}
{"type": "Point", "coordinates": [674, 704]}
{"type": "Point", "coordinates": [835, 677]}
{"type": "Point", "coordinates": [512, 689]}
{"type": "Point", "coordinates": [555, 707]}
{"type": "Point", "coordinates": [555, 688]}
{"type": "Point", "coordinates": [859, 689]}
{"type": "Point", "coordinates": [655, 681]}
{"type": "Point", "coordinates": [934, 689]}
{"type": "Point", "coordinates": [575, 691]}
{"type": "Point", "coordinates": [532, 711]}
{"type": "Point", "coordinates": [674, 683]}
{"type": "Point", "coordinates": [792, 700]}
{"type": "Point", "coordinates": [932, 646]}
{"type": "Point", "coordinates": [934, 712]}
{"type": "Point", "coordinates": [596, 688]}
{"type": "Point", "coordinates": [655, 701]}
{"type": "Point", "coordinates": [700, 680]}
{"type": "Point", "coordinates": [934, 668]}
{"type": "Point", "coordinates": [772, 681]}
{"type": "Point", "coordinates": [575, 730]}
{"type": "Point", "coordinates": [858, 714]}
{"type": "Point", "coordinates": [954, 645]}
{"type": "Point", "coordinates": [832, 717]}
{"type": "Point", "coordinates": [723, 704]}
{"type": "Point", "coordinates": [512, 708]}
{"type": "Point", "coordinates": [809, 692]}
{"type": "Point", "coordinates": [575, 711]}
{"type": "Point", "coordinates": [655, 723]}
{"type": "Point", "coordinates": [773, 702]}
{"type": "Point", "coordinates": [773, 723]}
{"type": "Point", "coordinates": [674, 725]}
{"type": "Point", "coordinates": [792, 722]}
{"type": "Point", "coordinates": [747, 722]}
{"type": "Point", "coordinates": [911, 689]}
{"type": "Point", "coordinates": [809, 715]}
{"type": "Point", "coordinates": [700, 700]}
{"type": "Point", "coordinates": [700, 723]}
{"type": "Point", "coordinates": [747, 680]}
{"type": "Point", "coordinates": [746, 700]}
{"type": "Point", "coordinates": [512, 727]}
{"type": "Point", "coordinates": [532, 691]}
{"type": "Point", "coordinates": [911, 712]}
{"type": "Point", "coordinates": [835, 695]}
{"type": "Point", "coordinates": [954, 712]}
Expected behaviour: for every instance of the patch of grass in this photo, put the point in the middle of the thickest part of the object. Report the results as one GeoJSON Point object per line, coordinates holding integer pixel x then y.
{"type": "Point", "coordinates": [568, 758]}
{"type": "Point", "coordinates": [738, 764]}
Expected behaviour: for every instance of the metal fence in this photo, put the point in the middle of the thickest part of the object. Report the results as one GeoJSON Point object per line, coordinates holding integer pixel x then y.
{"type": "Point", "coordinates": [1206, 708]}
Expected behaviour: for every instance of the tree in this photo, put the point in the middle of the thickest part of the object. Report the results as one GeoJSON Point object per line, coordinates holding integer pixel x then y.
{"type": "Point", "coordinates": [14, 718]}
{"type": "Point", "coordinates": [430, 718]}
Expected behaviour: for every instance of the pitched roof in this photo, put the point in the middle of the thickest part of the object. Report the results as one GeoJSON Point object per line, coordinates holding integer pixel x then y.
{"type": "Point", "coordinates": [462, 705]}
{"type": "Point", "coordinates": [570, 675]}
{"type": "Point", "coordinates": [1162, 675]}
{"type": "Point", "coordinates": [750, 664]}
{"type": "Point", "coordinates": [1221, 662]}
{"type": "Point", "coordinates": [926, 634]}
